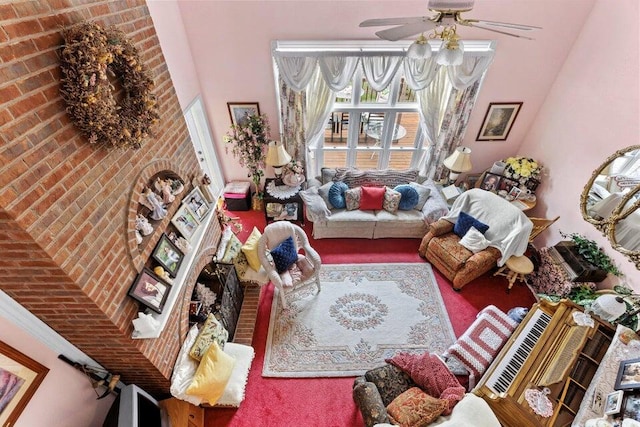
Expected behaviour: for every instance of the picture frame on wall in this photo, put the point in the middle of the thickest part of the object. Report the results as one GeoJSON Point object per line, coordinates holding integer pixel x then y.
{"type": "Point", "coordinates": [168, 255]}
{"type": "Point", "coordinates": [628, 377]}
{"type": "Point", "coordinates": [150, 290]}
{"type": "Point", "coordinates": [197, 203]}
{"type": "Point", "coordinates": [185, 221]}
{"type": "Point", "coordinates": [498, 121]}
{"type": "Point", "coordinates": [238, 111]}
{"type": "Point", "coordinates": [20, 377]}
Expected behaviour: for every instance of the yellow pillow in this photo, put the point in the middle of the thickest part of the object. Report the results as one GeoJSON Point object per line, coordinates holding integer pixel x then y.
{"type": "Point", "coordinates": [250, 249]}
{"type": "Point", "coordinates": [212, 375]}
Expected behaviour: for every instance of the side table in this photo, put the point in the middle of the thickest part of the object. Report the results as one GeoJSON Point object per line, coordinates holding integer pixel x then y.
{"type": "Point", "coordinates": [283, 205]}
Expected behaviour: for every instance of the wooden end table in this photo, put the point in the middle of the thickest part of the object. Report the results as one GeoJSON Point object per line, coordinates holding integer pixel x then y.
{"type": "Point", "coordinates": [278, 208]}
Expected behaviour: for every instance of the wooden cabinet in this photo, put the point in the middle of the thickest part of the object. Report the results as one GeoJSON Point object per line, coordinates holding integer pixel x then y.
{"type": "Point", "coordinates": [182, 413]}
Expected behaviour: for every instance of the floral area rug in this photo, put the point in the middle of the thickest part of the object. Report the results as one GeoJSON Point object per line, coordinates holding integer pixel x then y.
{"type": "Point", "coordinates": [364, 314]}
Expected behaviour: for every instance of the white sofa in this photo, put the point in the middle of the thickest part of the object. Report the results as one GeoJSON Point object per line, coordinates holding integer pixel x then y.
{"type": "Point", "coordinates": [374, 224]}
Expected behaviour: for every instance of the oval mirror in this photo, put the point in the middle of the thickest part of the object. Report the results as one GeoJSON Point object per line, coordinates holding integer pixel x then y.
{"type": "Point", "coordinates": [625, 229]}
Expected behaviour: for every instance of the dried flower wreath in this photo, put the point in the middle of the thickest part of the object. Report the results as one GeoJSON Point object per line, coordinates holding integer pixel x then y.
{"type": "Point", "coordinates": [89, 53]}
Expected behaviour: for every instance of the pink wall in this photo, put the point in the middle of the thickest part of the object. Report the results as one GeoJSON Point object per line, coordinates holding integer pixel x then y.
{"type": "Point", "coordinates": [65, 398]}
{"type": "Point", "coordinates": [591, 111]}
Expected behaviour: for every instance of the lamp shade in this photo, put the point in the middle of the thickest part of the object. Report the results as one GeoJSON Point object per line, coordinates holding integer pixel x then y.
{"type": "Point", "coordinates": [277, 156]}
{"type": "Point", "coordinates": [419, 49]}
{"type": "Point", "coordinates": [459, 160]}
{"type": "Point", "coordinates": [450, 54]}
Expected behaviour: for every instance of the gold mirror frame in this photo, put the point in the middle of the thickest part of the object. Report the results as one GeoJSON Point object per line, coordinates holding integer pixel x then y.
{"type": "Point", "coordinates": [608, 225]}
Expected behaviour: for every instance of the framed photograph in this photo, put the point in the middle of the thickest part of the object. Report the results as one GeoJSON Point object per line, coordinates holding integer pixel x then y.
{"type": "Point", "coordinates": [628, 375]}
{"type": "Point", "coordinates": [532, 184]}
{"type": "Point", "coordinates": [498, 121]}
{"type": "Point", "coordinates": [491, 182]}
{"type": "Point", "coordinates": [168, 255]}
{"type": "Point", "coordinates": [507, 184]}
{"type": "Point", "coordinates": [631, 406]}
{"type": "Point", "coordinates": [197, 204]}
{"type": "Point", "coordinates": [20, 377]}
{"type": "Point", "coordinates": [613, 402]}
{"type": "Point", "coordinates": [471, 180]}
{"type": "Point", "coordinates": [185, 221]}
{"type": "Point", "coordinates": [150, 290]}
{"type": "Point", "coordinates": [238, 111]}
{"type": "Point", "coordinates": [515, 192]}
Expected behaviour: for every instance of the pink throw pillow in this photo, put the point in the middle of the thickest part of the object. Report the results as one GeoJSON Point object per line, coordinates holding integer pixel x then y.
{"type": "Point", "coordinates": [372, 198]}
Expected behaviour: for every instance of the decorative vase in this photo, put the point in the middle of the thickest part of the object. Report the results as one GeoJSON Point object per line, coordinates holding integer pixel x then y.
{"type": "Point", "coordinates": [257, 203]}
{"type": "Point", "coordinates": [498, 167]}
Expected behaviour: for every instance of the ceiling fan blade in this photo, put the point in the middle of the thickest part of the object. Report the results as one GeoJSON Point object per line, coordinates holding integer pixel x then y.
{"type": "Point", "coordinates": [382, 22]}
{"type": "Point", "coordinates": [469, 24]}
{"type": "Point", "coordinates": [397, 33]}
{"type": "Point", "coordinates": [506, 25]}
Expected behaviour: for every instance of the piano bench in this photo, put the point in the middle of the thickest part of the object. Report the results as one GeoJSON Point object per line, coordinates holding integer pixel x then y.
{"type": "Point", "coordinates": [517, 268]}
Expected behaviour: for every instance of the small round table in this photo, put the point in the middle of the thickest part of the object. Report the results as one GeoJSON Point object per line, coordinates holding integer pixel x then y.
{"type": "Point", "coordinates": [517, 268]}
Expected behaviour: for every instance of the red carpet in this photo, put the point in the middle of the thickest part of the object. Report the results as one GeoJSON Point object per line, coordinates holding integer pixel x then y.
{"type": "Point", "coordinates": [327, 402]}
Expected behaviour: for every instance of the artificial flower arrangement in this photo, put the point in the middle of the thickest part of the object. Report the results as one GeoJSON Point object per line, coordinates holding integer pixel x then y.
{"type": "Point", "coordinates": [250, 140]}
{"type": "Point", "coordinates": [522, 169]}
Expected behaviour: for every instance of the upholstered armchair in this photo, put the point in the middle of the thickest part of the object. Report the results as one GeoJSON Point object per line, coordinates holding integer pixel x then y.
{"type": "Point", "coordinates": [279, 254]}
{"type": "Point", "coordinates": [507, 234]}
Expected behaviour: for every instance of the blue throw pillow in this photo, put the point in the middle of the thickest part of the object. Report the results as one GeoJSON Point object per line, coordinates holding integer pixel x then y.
{"type": "Point", "coordinates": [336, 195]}
{"type": "Point", "coordinates": [409, 197]}
{"type": "Point", "coordinates": [465, 222]}
{"type": "Point", "coordinates": [284, 255]}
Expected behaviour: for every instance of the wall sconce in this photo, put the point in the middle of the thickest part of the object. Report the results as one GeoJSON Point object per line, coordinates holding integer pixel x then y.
{"type": "Point", "coordinates": [277, 157]}
{"type": "Point", "coordinates": [459, 161]}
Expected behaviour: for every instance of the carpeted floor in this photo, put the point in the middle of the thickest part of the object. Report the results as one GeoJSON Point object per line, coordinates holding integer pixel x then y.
{"type": "Point", "coordinates": [327, 402]}
{"type": "Point", "coordinates": [365, 313]}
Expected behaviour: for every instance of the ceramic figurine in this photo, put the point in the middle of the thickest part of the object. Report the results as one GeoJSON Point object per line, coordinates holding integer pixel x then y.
{"type": "Point", "coordinates": [183, 244]}
{"type": "Point", "coordinates": [158, 212]}
{"type": "Point", "coordinates": [143, 226]}
{"type": "Point", "coordinates": [138, 237]}
{"type": "Point", "coordinates": [163, 186]}
{"type": "Point", "coordinates": [163, 274]}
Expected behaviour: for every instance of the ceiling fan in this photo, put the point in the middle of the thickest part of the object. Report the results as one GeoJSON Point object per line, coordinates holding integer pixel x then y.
{"type": "Point", "coordinates": [447, 13]}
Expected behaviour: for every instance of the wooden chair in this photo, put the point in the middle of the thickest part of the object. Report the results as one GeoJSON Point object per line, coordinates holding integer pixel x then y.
{"type": "Point", "coordinates": [539, 225]}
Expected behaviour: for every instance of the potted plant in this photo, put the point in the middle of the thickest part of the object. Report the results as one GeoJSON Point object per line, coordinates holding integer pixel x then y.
{"type": "Point", "coordinates": [592, 253]}
{"type": "Point", "coordinates": [249, 140]}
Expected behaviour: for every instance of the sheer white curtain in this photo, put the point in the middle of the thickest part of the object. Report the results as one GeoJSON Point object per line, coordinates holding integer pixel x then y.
{"type": "Point", "coordinates": [319, 102]}
{"type": "Point", "coordinates": [296, 70]}
{"type": "Point", "coordinates": [338, 70]}
{"type": "Point", "coordinates": [380, 70]}
{"type": "Point", "coordinates": [420, 72]}
{"type": "Point", "coordinates": [470, 71]}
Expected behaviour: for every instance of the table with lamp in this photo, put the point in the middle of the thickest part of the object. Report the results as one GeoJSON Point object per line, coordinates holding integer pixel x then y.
{"type": "Point", "coordinates": [458, 162]}
{"type": "Point", "coordinates": [281, 201]}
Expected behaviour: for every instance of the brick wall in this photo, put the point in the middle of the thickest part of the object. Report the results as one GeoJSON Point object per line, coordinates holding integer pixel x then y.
{"type": "Point", "coordinates": [66, 207]}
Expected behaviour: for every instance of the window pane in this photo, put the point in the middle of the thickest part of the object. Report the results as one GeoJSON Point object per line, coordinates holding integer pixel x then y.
{"type": "Point", "coordinates": [344, 96]}
{"type": "Point", "coordinates": [335, 158]}
{"type": "Point", "coordinates": [367, 158]}
{"type": "Point", "coordinates": [370, 96]}
{"type": "Point", "coordinates": [400, 159]}
{"type": "Point", "coordinates": [372, 129]}
{"type": "Point", "coordinates": [405, 94]}
{"type": "Point", "coordinates": [408, 121]}
{"type": "Point", "coordinates": [336, 130]}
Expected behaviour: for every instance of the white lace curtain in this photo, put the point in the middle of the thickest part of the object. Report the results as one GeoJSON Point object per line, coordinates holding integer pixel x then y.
{"type": "Point", "coordinates": [324, 75]}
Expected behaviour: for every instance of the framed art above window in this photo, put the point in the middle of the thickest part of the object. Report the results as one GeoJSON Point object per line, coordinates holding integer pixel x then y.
{"type": "Point", "coordinates": [498, 121]}
{"type": "Point", "coordinates": [239, 110]}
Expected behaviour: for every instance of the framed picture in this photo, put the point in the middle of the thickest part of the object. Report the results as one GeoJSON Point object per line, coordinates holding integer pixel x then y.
{"type": "Point", "coordinates": [150, 290]}
{"type": "Point", "coordinates": [631, 406]}
{"type": "Point", "coordinates": [168, 255]}
{"type": "Point", "coordinates": [472, 180]}
{"type": "Point", "coordinates": [20, 377]}
{"type": "Point", "coordinates": [613, 402]}
{"type": "Point", "coordinates": [238, 111]}
{"type": "Point", "coordinates": [491, 182]}
{"type": "Point", "coordinates": [628, 375]}
{"type": "Point", "coordinates": [532, 184]}
{"type": "Point", "coordinates": [197, 204]}
{"type": "Point", "coordinates": [498, 121]}
{"type": "Point", "coordinates": [515, 192]}
{"type": "Point", "coordinates": [185, 221]}
{"type": "Point", "coordinates": [507, 184]}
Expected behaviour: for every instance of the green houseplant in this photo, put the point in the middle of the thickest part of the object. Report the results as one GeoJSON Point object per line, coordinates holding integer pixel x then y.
{"type": "Point", "coordinates": [592, 253]}
{"type": "Point", "coordinates": [249, 140]}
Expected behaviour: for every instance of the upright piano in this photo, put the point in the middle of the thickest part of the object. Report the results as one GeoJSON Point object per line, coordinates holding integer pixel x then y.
{"type": "Point", "coordinates": [548, 349]}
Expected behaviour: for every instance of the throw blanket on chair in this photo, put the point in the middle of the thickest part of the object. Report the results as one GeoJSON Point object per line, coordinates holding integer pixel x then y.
{"type": "Point", "coordinates": [509, 227]}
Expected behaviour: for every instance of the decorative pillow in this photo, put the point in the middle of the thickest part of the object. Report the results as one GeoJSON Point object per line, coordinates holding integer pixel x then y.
{"type": "Point", "coordinates": [431, 375]}
{"type": "Point", "coordinates": [212, 375]}
{"type": "Point", "coordinates": [372, 198]}
{"type": "Point", "coordinates": [375, 177]}
{"type": "Point", "coordinates": [224, 241]}
{"type": "Point", "coordinates": [234, 391]}
{"type": "Point", "coordinates": [233, 249]}
{"type": "Point", "coordinates": [336, 195]}
{"type": "Point", "coordinates": [482, 341]}
{"type": "Point", "coordinates": [409, 198]}
{"type": "Point", "coordinates": [391, 200]}
{"type": "Point", "coordinates": [415, 408]}
{"type": "Point", "coordinates": [323, 191]}
{"type": "Point", "coordinates": [185, 369]}
{"type": "Point", "coordinates": [474, 241]}
{"type": "Point", "coordinates": [314, 203]}
{"type": "Point", "coordinates": [212, 331]}
{"type": "Point", "coordinates": [352, 198]}
{"type": "Point", "coordinates": [389, 380]}
{"type": "Point", "coordinates": [423, 194]}
{"type": "Point", "coordinates": [250, 249]}
{"type": "Point", "coordinates": [284, 255]}
{"type": "Point", "coordinates": [465, 222]}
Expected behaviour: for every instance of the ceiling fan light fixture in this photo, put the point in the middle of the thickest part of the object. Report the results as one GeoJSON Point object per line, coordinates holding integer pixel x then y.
{"type": "Point", "coordinates": [448, 56]}
{"type": "Point", "coordinates": [419, 49]}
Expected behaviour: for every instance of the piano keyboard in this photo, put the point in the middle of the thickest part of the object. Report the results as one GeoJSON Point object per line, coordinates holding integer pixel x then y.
{"type": "Point", "coordinates": [504, 374]}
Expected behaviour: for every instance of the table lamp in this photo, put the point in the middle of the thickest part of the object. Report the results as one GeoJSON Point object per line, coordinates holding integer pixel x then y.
{"type": "Point", "coordinates": [459, 161]}
{"type": "Point", "coordinates": [277, 157]}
